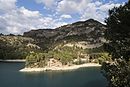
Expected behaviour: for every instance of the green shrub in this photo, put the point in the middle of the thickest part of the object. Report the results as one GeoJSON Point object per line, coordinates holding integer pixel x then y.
{"type": "Point", "coordinates": [104, 57]}
{"type": "Point", "coordinates": [35, 58]}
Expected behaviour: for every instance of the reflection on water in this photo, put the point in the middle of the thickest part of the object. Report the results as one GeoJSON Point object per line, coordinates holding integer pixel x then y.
{"type": "Point", "coordinates": [84, 77]}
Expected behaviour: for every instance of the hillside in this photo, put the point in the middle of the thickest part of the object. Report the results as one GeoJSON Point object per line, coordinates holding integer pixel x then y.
{"type": "Point", "coordinates": [16, 47]}
{"type": "Point", "coordinates": [74, 43]}
{"type": "Point", "coordinates": [90, 31]}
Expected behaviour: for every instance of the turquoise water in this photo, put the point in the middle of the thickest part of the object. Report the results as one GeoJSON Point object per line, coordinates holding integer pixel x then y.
{"type": "Point", "coordinates": [84, 77]}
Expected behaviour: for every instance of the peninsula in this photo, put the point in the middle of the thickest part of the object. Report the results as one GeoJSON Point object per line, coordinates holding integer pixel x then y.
{"type": "Point", "coordinates": [61, 68]}
{"type": "Point", "coordinates": [68, 47]}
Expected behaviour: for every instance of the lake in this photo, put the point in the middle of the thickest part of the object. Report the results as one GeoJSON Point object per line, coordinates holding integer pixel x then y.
{"type": "Point", "coordinates": [83, 77]}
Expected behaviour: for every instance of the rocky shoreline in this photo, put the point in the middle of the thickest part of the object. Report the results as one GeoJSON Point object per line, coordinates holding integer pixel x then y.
{"type": "Point", "coordinates": [63, 68]}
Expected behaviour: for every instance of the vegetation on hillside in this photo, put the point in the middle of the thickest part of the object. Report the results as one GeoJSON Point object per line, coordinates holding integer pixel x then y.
{"type": "Point", "coordinates": [16, 47]}
{"type": "Point", "coordinates": [36, 60]}
{"type": "Point", "coordinates": [68, 55]}
{"type": "Point", "coordinates": [64, 54]}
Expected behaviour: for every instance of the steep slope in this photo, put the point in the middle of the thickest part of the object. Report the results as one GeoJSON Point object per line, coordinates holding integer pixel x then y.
{"type": "Point", "coordinates": [90, 31]}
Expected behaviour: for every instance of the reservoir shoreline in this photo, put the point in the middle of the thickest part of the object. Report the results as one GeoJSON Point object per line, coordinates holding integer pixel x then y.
{"type": "Point", "coordinates": [63, 68]}
{"type": "Point", "coordinates": [13, 61]}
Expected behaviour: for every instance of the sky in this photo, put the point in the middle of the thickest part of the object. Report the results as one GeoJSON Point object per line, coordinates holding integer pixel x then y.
{"type": "Point", "coordinates": [18, 16]}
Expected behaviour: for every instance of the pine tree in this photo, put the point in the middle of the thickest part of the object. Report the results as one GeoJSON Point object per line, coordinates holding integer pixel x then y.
{"type": "Point", "coordinates": [118, 36]}
{"type": "Point", "coordinates": [118, 32]}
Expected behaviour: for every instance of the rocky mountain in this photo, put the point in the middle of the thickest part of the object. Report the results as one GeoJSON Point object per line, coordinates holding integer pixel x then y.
{"type": "Point", "coordinates": [90, 31]}
{"type": "Point", "coordinates": [84, 34]}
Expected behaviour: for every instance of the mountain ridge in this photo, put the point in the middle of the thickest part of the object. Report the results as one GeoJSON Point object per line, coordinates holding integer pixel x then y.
{"type": "Point", "coordinates": [86, 34]}
{"type": "Point", "coordinates": [89, 30]}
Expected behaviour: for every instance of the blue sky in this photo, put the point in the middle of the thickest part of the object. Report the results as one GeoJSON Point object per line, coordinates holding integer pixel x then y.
{"type": "Point", "coordinates": [18, 16]}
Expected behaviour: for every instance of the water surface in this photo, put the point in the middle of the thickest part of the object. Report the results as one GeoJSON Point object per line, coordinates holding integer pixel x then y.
{"type": "Point", "coordinates": [84, 77]}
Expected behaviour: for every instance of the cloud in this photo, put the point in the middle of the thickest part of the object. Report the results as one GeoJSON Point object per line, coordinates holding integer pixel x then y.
{"type": "Point", "coordinates": [86, 9]}
{"type": "Point", "coordinates": [66, 16]}
{"type": "Point", "coordinates": [16, 20]}
{"type": "Point", "coordinates": [72, 6]}
{"type": "Point", "coordinates": [28, 13]}
{"type": "Point", "coordinates": [107, 6]}
{"type": "Point", "coordinates": [97, 10]}
{"type": "Point", "coordinates": [7, 5]}
{"type": "Point", "coordinates": [47, 3]}
{"type": "Point", "coordinates": [19, 20]}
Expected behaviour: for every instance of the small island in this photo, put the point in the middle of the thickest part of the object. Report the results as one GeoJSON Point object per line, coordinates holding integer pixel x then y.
{"type": "Point", "coordinates": [65, 57]}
